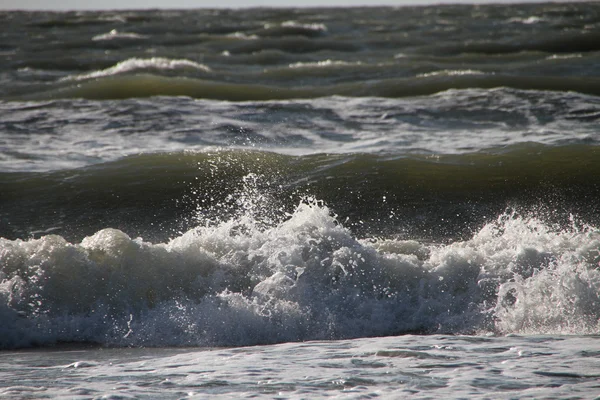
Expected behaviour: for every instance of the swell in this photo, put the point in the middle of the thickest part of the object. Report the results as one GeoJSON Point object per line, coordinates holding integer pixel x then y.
{"type": "Point", "coordinates": [554, 43]}
{"type": "Point", "coordinates": [145, 85]}
{"type": "Point", "coordinates": [439, 197]}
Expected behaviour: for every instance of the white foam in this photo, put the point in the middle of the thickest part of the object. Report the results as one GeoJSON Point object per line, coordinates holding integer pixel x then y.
{"type": "Point", "coordinates": [115, 34]}
{"type": "Point", "coordinates": [527, 21]}
{"type": "Point", "coordinates": [134, 64]}
{"type": "Point", "coordinates": [242, 36]}
{"type": "Point", "coordinates": [448, 72]}
{"type": "Point", "coordinates": [314, 26]}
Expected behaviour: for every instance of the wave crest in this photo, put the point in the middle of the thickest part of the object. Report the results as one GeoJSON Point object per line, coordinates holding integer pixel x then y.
{"type": "Point", "coordinates": [142, 64]}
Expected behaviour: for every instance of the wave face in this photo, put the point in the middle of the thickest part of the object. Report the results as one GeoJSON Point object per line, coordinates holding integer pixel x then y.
{"type": "Point", "coordinates": [240, 177]}
{"type": "Point", "coordinates": [437, 197]}
{"type": "Point", "coordinates": [143, 85]}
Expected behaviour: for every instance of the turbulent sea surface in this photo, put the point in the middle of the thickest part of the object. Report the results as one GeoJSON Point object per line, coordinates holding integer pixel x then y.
{"type": "Point", "coordinates": [300, 203]}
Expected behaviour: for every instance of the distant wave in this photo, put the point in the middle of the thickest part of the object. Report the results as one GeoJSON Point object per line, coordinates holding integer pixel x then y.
{"type": "Point", "coordinates": [293, 44]}
{"type": "Point", "coordinates": [553, 43]}
{"type": "Point", "coordinates": [115, 34]}
{"type": "Point", "coordinates": [142, 64]}
{"type": "Point", "coordinates": [289, 28]}
{"type": "Point", "coordinates": [457, 72]}
{"type": "Point", "coordinates": [323, 64]}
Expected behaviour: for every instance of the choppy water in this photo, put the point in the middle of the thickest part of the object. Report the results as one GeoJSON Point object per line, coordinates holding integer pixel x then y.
{"type": "Point", "coordinates": [432, 366]}
{"type": "Point", "coordinates": [221, 179]}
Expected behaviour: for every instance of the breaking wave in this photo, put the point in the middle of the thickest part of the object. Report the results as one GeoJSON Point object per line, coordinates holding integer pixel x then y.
{"type": "Point", "coordinates": [266, 276]}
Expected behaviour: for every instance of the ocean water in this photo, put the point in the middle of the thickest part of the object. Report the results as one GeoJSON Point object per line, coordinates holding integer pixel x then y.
{"type": "Point", "coordinates": [301, 203]}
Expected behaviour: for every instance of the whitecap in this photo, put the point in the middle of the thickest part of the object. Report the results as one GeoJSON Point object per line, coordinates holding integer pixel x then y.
{"type": "Point", "coordinates": [115, 34]}
{"type": "Point", "coordinates": [134, 64]}
{"type": "Point", "coordinates": [323, 64]}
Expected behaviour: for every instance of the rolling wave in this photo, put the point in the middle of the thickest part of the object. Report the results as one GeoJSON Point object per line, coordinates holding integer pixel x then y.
{"type": "Point", "coordinates": [146, 85]}
{"type": "Point", "coordinates": [157, 195]}
{"type": "Point", "coordinates": [141, 64]}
